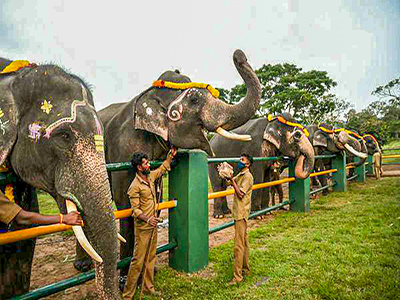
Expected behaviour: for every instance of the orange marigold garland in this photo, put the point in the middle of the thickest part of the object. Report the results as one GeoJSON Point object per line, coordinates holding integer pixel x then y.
{"type": "Point", "coordinates": [184, 86]}
{"type": "Point", "coordinates": [284, 121]}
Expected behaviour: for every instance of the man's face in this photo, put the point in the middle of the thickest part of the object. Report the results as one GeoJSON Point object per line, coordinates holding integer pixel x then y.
{"type": "Point", "coordinates": [145, 166]}
{"type": "Point", "coordinates": [244, 160]}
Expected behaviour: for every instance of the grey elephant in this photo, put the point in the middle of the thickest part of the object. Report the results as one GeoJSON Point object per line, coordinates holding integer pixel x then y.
{"type": "Point", "coordinates": [174, 111]}
{"type": "Point", "coordinates": [270, 137]}
{"type": "Point", "coordinates": [325, 139]}
{"type": "Point", "coordinates": [51, 138]}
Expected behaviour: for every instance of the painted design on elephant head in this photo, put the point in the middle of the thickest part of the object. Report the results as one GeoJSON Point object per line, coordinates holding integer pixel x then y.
{"type": "Point", "coordinates": [35, 131]}
{"type": "Point", "coordinates": [70, 119]}
{"type": "Point", "coordinates": [3, 126]}
{"type": "Point", "coordinates": [46, 106]}
{"type": "Point", "coordinates": [176, 114]}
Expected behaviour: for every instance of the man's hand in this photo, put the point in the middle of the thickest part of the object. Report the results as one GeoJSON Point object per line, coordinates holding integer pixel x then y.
{"type": "Point", "coordinates": [73, 218]}
{"type": "Point", "coordinates": [173, 152]}
{"type": "Point", "coordinates": [153, 221]}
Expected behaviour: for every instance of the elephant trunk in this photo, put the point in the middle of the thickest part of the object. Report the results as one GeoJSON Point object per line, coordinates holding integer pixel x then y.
{"type": "Point", "coordinates": [218, 114]}
{"type": "Point", "coordinates": [363, 156]}
{"type": "Point", "coordinates": [84, 182]}
{"type": "Point", "coordinates": [305, 162]}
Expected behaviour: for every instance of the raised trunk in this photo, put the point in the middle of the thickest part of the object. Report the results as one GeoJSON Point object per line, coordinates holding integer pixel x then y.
{"type": "Point", "coordinates": [220, 114]}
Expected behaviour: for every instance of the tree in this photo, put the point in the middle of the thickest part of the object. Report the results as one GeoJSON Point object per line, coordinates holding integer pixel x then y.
{"type": "Point", "coordinates": [286, 88]}
{"type": "Point", "coordinates": [391, 90]}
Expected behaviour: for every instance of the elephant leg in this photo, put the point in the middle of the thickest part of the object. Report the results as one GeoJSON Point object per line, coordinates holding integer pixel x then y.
{"type": "Point", "coordinates": [220, 204]}
{"type": "Point", "coordinates": [279, 189]}
{"type": "Point", "coordinates": [82, 262]}
{"type": "Point", "coordinates": [224, 207]}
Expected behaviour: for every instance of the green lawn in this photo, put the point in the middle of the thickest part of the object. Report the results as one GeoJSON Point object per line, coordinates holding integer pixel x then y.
{"type": "Point", "coordinates": [347, 247]}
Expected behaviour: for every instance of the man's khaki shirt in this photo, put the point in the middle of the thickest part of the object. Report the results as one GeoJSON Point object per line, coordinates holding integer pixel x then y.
{"type": "Point", "coordinates": [8, 210]}
{"type": "Point", "coordinates": [143, 195]}
{"type": "Point", "coordinates": [376, 159]}
{"type": "Point", "coordinates": [241, 207]}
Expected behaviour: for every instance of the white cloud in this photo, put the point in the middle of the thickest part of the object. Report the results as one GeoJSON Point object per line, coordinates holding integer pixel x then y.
{"type": "Point", "coordinates": [121, 47]}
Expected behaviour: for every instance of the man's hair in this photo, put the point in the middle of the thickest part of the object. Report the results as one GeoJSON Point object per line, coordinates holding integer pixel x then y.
{"type": "Point", "coordinates": [137, 159]}
{"type": "Point", "coordinates": [249, 158]}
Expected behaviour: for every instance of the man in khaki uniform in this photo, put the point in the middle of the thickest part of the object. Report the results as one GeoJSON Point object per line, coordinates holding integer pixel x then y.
{"type": "Point", "coordinates": [376, 160]}
{"type": "Point", "coordinates": [142, 195]}
{"type": "Point", "coordinates": [242, 184]}
{"type": "Point", "coordinates": [10, 211]}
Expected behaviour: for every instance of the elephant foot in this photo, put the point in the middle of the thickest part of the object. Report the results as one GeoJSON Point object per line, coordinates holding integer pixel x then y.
{"type": "Point", "coordinates": [83, 265]}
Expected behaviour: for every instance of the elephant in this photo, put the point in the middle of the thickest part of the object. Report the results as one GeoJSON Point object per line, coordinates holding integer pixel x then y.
{"type": "Point", "coordinates": [270, 137]}
{"type": "Point", "coordinates": [51, 138]}
{"type": "Point", "coordinates": [325, 139]}
{"type": "Point", "coordinates": [173, 112]}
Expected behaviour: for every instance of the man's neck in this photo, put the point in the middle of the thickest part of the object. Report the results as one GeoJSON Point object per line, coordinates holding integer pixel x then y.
{"type": "Point", "coordinates": [143, 176]}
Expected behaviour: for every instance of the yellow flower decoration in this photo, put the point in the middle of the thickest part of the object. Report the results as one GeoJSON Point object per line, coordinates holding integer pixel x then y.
{"type": "Point", "coordinates": [184, 86]}
{"type": "Point", "coordinates": [46, 106]}
{"type": "Point", "coordinates": [284, 121]}
{"type": "Point", "coordinates": [9, 192]}
{"type": "Point", "coordinates": [1, 113]}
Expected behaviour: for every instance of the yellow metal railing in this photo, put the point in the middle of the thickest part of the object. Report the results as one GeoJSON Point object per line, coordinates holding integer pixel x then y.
{"type": "Point", "coordinates": [24, 234]}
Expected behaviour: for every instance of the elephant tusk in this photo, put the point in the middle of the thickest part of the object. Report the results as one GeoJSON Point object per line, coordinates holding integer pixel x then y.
{"type": "Point", "coordinates": [355, 152]}
{"type": "Point", "coordinates": [232, 135]}
{"type": "Point", "coordinates": [121, 238]}
{"type": "Point", "coordinates": [80, 235]}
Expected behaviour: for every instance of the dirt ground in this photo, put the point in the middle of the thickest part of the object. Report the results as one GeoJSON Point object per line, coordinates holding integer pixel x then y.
{"type": "Point", "coordinates": [54, 254]}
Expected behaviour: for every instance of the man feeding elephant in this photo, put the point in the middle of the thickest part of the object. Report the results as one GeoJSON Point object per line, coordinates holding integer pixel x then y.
{"type": "Point", "coordinates": [10, 211]}
{"type": "Point", "coordinates": [142, 196]}
{"type": "Point", "coordinates": [242, 184]}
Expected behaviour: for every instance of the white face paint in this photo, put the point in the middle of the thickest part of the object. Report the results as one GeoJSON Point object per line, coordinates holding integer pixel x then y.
{"type": "Point", "coordinates": [149, 111]}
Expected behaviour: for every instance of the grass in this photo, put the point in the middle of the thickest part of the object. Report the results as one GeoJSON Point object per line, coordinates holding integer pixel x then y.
{"type": "Point", "coordinates": [347, 247]}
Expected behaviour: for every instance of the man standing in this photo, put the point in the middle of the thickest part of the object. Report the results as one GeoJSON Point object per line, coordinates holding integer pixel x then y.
{"type": "Point", "coordinates": [142, 195]}
{"type": "Point", "coordinates": [376, 160]}
{"type": "Point", "coordinates": [242, 184]}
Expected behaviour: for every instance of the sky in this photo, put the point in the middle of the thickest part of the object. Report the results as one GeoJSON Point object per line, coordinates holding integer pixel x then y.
{"type": "Point", "coordinates": [121, 47]}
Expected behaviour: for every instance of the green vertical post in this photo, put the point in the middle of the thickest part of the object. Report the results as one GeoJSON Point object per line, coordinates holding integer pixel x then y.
{"type": "Point", "coordinates": [339, 163]}
{"type": "Point", "coordinates": [370, 166]}
{"type": "Point", "coordinates": [360, 171]}
{"type": "Point", "coordinates": [188, 222]}
{"type": "Point", "coordinates": [299, 191]}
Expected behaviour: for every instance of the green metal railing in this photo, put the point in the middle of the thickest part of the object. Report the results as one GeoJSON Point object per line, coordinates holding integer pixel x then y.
{"type": "Point", "coordinates": [80, 279]}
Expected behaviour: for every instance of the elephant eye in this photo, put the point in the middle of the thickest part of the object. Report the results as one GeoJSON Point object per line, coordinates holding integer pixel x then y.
{"type": "Point", "coordinates": [297, 135]}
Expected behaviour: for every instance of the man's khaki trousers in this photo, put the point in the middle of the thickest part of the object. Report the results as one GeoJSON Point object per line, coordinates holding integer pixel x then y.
{"type": "Point", "coordinates": [241, 250]}
{"type": "Point", "coordinates": [142, 240]}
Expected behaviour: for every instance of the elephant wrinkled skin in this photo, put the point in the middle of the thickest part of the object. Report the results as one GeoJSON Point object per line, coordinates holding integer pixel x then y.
{"type": "Point", "coordinates": [161, 117]}
{"type": "Point", "coordinates": [52, 140]}
{"type": "Point", "coordinates": [269, 138]}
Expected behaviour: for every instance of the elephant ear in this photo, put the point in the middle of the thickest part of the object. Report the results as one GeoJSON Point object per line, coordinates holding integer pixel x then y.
{"type": "Point", "coordinates": [320, 139]}
{"type": "Point", "coordinates": [150, 116]}
{"type": "Point", "coordinates": [8, 117]}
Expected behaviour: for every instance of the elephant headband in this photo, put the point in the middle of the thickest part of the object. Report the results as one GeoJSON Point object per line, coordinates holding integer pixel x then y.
{"type": "Point", "coordinates": [372, 137]}
{"type": "Point", "coordinates": [17, 65]}
{"type": "Point", "coordinates": [284, 121]}
{"type": "Point", "coordinates": [339, 130]}
{"type": "Point", "coordinates": [184, 86]}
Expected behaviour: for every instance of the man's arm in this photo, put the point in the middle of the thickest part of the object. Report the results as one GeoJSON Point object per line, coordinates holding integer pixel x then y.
{"type": "Point", "coordinates": [27, 217]}
{"type": "Point", "coordinates": [166, 165]}
{"type": "Point", "coordinates": [238, 192]}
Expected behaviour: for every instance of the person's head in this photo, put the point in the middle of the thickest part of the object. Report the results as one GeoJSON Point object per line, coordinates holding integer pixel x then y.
{"type": "Point", "coordinates": [140, 162]}
{"type": "Point", "coordinates": [245, 161]}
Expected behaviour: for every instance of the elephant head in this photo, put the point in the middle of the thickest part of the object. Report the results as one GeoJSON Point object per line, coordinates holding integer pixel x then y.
{"type": "Point", "coordinates": [337, 140]}
{"type": "Point", "coordinates": [289, 138]}
{"type": "Point", "coordinates": [53, 140]}
{"type": "Point", "coordinates": [180, 111]}
{"type": "Point", "coordinates": [372, 144]}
